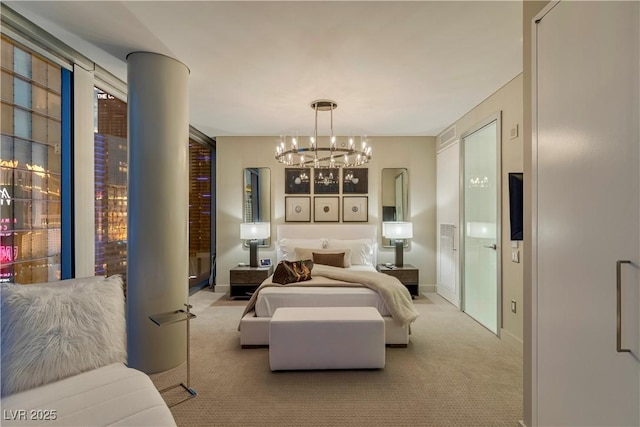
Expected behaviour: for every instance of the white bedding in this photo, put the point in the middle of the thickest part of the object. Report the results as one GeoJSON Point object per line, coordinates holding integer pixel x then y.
{"type": "Point", "coordinates": [271, 298]}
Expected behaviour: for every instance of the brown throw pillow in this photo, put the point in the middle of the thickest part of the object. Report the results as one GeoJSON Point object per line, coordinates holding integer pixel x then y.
{"type": "Point", "coordinates": [334, 260]}
{"type": "Point", "coordinates": [292, 271]}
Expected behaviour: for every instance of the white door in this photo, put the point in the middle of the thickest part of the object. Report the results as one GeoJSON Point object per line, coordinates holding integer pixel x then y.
{"type": "Point", "coordinates": [585, 215]}
{"type": "Point", "coordinates": [448, 206]}
{"type": "Point", "coordinates": [481, 190]}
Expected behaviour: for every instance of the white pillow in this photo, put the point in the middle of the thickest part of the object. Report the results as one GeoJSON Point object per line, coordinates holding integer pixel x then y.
{"type": "Point", "coordinates": [307, 253]}
{"type": "Point", "coordinates": [287, 247]}
{"type": "Point", "coordinates": [361, 249]}
{"type": "Point", "coordinates": [53, 331]}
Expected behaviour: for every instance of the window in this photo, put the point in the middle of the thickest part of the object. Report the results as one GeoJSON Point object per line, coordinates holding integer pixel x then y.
{"type": "Point", "coordinates": [199, 212]}
{"type": "Point", "coordinates": [110, 145]}
{"type": "Point", "coordinates": [30, 167]}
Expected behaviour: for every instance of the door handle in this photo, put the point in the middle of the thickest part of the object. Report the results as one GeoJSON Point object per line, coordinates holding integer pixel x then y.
{"type": "Point", "coordinates": [619, 348]}
{"type": "Point", "coordinates": [494, 247]}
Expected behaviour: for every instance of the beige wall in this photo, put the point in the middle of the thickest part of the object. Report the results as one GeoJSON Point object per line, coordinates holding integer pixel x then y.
{"type": "Point", "coordinates": [529, 10]}
{"type": "Point", "coordinates": [417, 154]}
{"type": "Point", "coordinates": [508, 100]}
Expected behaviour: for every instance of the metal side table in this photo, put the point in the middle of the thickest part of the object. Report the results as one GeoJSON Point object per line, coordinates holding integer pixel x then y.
{"type": "Point", "coordinates": [168, 318]}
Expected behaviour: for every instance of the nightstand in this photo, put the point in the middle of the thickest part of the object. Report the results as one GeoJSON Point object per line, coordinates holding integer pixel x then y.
{"type": "Point", "coordinates": [407, 274]}
{"type": "Point", "coordinates": [243, 281]}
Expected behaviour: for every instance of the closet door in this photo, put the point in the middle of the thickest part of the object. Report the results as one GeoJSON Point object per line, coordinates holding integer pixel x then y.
{"type": "Point", "coordinates": [448, 202]}
{"type": "Point", "coordinates": [586, 215]}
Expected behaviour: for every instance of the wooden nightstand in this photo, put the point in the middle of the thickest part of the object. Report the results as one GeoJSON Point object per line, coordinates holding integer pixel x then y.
{"type": "Point", "coordinates": [407, 274]}
{"type": "Point", "coordinates": [243, 281]}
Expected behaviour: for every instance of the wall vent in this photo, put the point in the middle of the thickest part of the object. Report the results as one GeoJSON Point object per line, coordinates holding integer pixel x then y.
{"type": "Point", "coordinates": [446, 137]}
{"type": "Point", "coordinates": [447, 270]}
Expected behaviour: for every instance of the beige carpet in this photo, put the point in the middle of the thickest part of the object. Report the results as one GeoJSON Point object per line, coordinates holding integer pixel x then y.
{"type": "Point", "coordinates": [454, 373]}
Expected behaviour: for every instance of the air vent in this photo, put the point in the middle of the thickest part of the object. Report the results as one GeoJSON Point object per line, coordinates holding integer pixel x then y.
{"type": "Point", "coordinates": [447, 137]}
{"type": "Point", "coordinates": [447, 270]}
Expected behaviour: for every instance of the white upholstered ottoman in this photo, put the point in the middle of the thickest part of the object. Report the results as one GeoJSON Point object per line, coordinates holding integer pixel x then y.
{"type": "Point", "coordinates": [326, 338]}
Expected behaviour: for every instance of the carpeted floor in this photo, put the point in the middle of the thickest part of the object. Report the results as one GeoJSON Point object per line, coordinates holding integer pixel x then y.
{"type": "Point", "coordinates": [453, 373]}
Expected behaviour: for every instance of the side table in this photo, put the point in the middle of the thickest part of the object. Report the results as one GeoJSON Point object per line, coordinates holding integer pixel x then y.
{"type": "Point", "coordinates": [407, 274]}
{"type": "Point", "coordinates": [244, 280]}
{"type": "Point", "coordinates": [168, 318]}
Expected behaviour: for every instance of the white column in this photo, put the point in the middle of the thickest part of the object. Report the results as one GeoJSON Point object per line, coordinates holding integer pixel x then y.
{"type": "Point", "coordinates": [84, 205]}
{"type": "Point", "coordinates": [157, 260]}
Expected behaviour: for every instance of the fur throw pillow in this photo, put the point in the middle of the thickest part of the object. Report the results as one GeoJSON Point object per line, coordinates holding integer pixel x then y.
{"type": "Point", "coordinates": [55, 330]}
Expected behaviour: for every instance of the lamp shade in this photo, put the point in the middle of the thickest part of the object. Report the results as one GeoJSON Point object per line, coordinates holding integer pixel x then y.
{"type": "Point", "coordinates": [397, 230]}
{"type": "Point", "coordinates": [255, 230]}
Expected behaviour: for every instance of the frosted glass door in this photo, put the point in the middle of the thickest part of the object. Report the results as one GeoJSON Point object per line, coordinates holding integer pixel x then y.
{"type": "Point", "coordinates": [480, 278]}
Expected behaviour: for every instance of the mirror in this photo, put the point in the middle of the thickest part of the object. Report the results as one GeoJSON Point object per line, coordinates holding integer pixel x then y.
{"type": "Point", "coordinates": [256, 197]}
{"type": "Point", "coordinates": [395, 198]}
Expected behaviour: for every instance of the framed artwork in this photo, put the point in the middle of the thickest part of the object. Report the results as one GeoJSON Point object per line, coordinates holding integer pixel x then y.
{"type": "Point", "coordinates": [355, 209]}
{"type": "Point", "coordinates": [355, 181]}
{"type": "Point", "coordinates": [326, 181]}
{"type": "Point", "coordinates": [326, 209]}
{"type": "Point", "coordinates": [297, 209]}
{"type": "Point", "coordinates": [297, 181]}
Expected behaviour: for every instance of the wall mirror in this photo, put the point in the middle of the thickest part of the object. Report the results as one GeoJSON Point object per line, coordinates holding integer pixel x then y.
{"type": "Point", "coordinates": [395, 198]}
{"type": "Point", "coordinates": [256, 196]}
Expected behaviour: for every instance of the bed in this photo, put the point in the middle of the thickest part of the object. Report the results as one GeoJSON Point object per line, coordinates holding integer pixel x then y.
{"type": "Point", "coordinates": [356, 285]}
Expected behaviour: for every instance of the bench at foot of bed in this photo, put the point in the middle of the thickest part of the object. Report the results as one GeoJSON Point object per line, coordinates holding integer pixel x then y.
{"type": "Point", "coordinates": [326, 338]}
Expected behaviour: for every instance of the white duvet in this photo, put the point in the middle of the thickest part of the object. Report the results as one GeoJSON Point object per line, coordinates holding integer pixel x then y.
{"type": "Point", "coordinates": [337, 287]}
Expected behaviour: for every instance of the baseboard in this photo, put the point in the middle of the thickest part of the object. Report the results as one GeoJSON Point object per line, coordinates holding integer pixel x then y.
{"type": "Point", "coordinates": [448, 295]}
{"type": "Point", "coordinates": [222, 289]}
{"type": "Point", "coordinates": [427, 289]}
{"type": "Point", "coordinates": [511, 339]}
{"type": "Point", "coordinates": [521, 424]}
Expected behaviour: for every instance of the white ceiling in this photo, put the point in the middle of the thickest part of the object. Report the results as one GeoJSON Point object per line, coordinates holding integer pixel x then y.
{"type": "Point", "coordinates": [394, 68]}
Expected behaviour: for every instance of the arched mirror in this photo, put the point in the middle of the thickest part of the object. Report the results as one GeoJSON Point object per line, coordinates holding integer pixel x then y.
{"type": "Point", "coordinates": [395, 198]}
{"type": "Point", "coordinates": [256, 196]}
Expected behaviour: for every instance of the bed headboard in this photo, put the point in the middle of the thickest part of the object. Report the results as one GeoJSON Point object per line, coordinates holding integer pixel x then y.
{"type": "Point", "coordinates": [331, 231]}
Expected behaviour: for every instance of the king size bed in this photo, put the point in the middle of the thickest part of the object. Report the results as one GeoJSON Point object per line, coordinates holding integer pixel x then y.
{"type": "Point", "coordinates": [352, 282]}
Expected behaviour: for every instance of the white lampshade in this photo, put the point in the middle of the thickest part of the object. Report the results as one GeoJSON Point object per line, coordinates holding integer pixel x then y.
{"type": "Point", "coordinates": [255, 230]}
{"type": "Point", "coordinates": [397, 230]}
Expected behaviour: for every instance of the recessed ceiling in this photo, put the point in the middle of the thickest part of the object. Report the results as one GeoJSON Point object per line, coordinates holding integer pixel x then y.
{"type": "Point", "coordinates": [394, 68]}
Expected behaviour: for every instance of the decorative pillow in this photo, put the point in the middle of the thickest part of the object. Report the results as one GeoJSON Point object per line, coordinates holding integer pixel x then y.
{"type": "Point", "coordinates": [361, 249]}
{"type": "Point", "coordinates": [292, 271]}
{"type": "Point", "coordinates": [334, 260]}
{"type": "Point", "coordinates": [53, 331]}
{"type": "Point", "coordinates": [286, 247]}
{"type": "Point", "coordinates": [308, 253]}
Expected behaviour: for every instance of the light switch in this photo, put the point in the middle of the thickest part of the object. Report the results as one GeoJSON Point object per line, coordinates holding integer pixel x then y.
{"type": "Point", "coordinates": [513, 133]}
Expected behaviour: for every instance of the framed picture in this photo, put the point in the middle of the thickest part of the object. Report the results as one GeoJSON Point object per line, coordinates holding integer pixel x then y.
{"type": "Point", "coordinates": [355, 209]}
{"type": "Point", "coordinates": [326, 181]}
{"type": "Point", "coordinates": [265, 262]}
{"type": "Point", "coordinates": [297, 209]}
{"type": "Point", "coordinates": [355, 181]}
{"type": "Point", "coordinates": [297, 181]}
{"type": "Point", "coordinates": [326, 209]}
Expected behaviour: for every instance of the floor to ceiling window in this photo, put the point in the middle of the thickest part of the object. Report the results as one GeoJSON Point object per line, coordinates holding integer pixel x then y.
{"type": "Point", "coordinates": [110, 145]}
{"type": "Point", "coordinates": [31, 171]}
{"type": "Point", "coordinates": [199, 212]}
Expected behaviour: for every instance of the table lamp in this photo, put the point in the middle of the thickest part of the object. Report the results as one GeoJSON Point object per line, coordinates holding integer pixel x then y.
{"type": "Point", "coordinates": [254, 231]}
{"type": "Point", "coordinates": [398, 231]}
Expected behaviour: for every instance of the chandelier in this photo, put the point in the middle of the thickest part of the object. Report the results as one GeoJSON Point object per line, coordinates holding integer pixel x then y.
{"type": "Point", "coordinates": [336, 155]}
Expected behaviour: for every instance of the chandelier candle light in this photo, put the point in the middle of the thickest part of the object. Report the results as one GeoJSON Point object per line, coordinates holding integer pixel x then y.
{"type": "Point", "coordinates": [334, 156]}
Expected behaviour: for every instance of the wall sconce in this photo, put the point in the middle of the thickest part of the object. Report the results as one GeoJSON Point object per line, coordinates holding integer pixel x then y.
{"type": "Point", "coordinates": [254, 231]}
{"type": "Point", "coordinates": [398, 231]}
